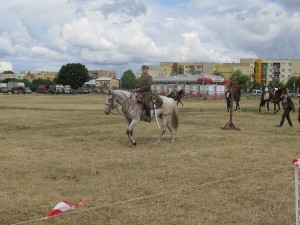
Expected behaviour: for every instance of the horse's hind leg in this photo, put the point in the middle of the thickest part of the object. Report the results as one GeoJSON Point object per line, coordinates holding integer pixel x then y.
{"type": "Point", "coordinates": [162, 130]}
{"type": "Point", "coordinates": [170, 128]}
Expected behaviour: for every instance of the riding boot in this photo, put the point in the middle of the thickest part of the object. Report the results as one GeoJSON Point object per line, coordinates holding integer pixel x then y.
{"type": "Point", "coordinates": [148, 114]}
{"type": "Point", "coordinates": [159, 101]}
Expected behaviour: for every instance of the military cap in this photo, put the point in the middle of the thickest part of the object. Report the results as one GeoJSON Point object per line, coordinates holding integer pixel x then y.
{"type": "Point", "coordinates": [145, 67]}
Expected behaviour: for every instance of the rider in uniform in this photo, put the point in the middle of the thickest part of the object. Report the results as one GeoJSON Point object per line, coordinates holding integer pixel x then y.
{"type": "Point", "coordinates": [144, 87]}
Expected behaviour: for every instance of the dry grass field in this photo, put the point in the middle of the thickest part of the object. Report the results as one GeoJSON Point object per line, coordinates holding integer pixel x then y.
{"type": "Point", "coordinates": [56, 148]}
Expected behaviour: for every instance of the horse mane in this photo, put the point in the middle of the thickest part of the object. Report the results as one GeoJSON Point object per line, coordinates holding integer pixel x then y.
{"type": "Point", "coordinates": [122, 93]}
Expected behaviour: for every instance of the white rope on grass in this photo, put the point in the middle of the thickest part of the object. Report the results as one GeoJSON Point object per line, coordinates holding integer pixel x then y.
{"type": "Point", "coordinates": [153, 195]}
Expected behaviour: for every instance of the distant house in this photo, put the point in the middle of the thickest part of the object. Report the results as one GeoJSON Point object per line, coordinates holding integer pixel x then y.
{"type": "Point", "coordinates": [39, 75]}
{"type": "Point", "coordinates": [102, 74]}
{"type": "Point", "coordinates": [9, 76]}
{"type": "Point", "coordinates": [105, 82]}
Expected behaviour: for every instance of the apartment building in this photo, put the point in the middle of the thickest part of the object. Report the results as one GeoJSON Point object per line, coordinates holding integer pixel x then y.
{"type": "Point", "coordinates": [280, 70]}
{"type": "Point", "coordinates": [226, 69]}
{"type": "Point", "coordinates": [187, 68]}
{"type": "Point", "coordinates": [156, 70]}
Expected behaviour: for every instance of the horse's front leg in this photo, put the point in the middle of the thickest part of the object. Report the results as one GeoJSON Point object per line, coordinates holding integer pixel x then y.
{"type": "Point", "coordinates": [129, 131]}
{"type": "Point", "coordinates": [276, 111]}
{"type": "Point", "coordinates": [268, 106]}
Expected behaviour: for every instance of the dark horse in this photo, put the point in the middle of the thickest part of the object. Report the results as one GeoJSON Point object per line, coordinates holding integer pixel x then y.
{"type": "Point", "coordinates": [273, 98]}
{"type": "Point", "coordinates": [177, 97]}
{"type": "Point", "coordinates": [236, 91]}
{"type": "Point", "coordinates": [19, 90]}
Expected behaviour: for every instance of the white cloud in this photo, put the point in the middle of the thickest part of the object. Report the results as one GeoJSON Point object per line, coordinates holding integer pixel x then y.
{"type": "Point", "coordinates": [6, 47]}
{"type": "Point", "coordinates": [38, 51]}
{"type": "Point", "coordinates": [111, 33]}
{"type": "Point", "coordinates": [5, 66]}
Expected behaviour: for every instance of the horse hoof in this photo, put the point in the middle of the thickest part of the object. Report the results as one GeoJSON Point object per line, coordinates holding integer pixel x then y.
{"type": "Point", "coordinates": [134, 143]}
{"type": "Point", "coordinates": [172, 141]}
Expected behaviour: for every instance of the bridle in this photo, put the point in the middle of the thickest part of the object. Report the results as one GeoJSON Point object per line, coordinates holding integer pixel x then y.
{"type": "Point", "coordinates": [116, 106]}
{"type": "Point", "coordinates": [112, 106]}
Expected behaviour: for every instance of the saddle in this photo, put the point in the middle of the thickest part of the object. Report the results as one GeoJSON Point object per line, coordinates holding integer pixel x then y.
{"type": "Point", "coordinates": [153, 102]}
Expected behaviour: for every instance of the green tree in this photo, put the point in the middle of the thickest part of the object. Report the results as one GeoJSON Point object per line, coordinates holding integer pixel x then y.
{"type": "Point", "coordinates": [8, 72]}
{"type": "Point", "coordinates": [218, 73]}
{"type": "Point", "coordinates": [241, 78]}
{"type": "Point", "coordinates": [74, 74]}
{"type": "Point", "coordinates": [25, 81]}
{"type": "Point", "coordinates": [177, 71]}
{"type": "Point", "coordinates": [192, 70]}
{"type": "Point", "coordinates": [255, 86]}
{"type": "Point", "coordinates": [6, 80]}
{"type": "Point", "coordinates": [293, 84]}
{"type": "Point", "coordinates": [180, 70]}
{"type": "Point", "coordinates": [40, 81]}
{"type": "Point", "coordinates": [173, 73]}
{"type": "Point", "coordinates": [128, 80]}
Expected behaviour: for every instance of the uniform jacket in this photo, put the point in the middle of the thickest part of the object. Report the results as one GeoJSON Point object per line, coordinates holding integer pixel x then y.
{"type": "Point", "coordinates": [145, 83]}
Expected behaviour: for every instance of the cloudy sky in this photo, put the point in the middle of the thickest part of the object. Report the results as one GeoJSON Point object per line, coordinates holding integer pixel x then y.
{"type": "Point", "coordinates": [123, 34]}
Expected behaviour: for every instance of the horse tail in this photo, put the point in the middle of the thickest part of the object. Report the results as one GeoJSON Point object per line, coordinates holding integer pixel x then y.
{"type": "Point", "coordinates": [175, 117]}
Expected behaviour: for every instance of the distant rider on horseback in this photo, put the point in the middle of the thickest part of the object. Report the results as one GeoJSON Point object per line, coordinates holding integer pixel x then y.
{"type": "Point", "coordinates": [144, 87]}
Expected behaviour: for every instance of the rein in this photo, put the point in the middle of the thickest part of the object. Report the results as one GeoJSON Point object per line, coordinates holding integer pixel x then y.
{"type": "Point", "coordinates": [112, 106]}
{"type": "Point", "coordinates": [119, 104]}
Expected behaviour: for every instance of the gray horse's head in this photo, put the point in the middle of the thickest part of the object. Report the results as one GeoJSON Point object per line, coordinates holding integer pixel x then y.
{"type": "Point", "coordinates": [109, 102]}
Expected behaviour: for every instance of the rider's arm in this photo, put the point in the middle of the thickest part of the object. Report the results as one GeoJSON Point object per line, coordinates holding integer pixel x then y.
{"type": "Point", "coordinates": [147, 85]}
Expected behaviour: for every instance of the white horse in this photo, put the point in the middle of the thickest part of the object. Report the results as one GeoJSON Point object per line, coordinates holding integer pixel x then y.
{"type": "Point", "coordinates": [133, 111]}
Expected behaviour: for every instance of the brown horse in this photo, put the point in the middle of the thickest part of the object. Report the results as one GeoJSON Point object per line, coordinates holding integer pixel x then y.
{"type": "Point", "coordinates": [237, 92]}
{"type": "Point", "coordinates": [19, 90]}
{"type": "Point", "coordinates": [273, 97]}
{"type": "Point", "coordinates": [277, 99]}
